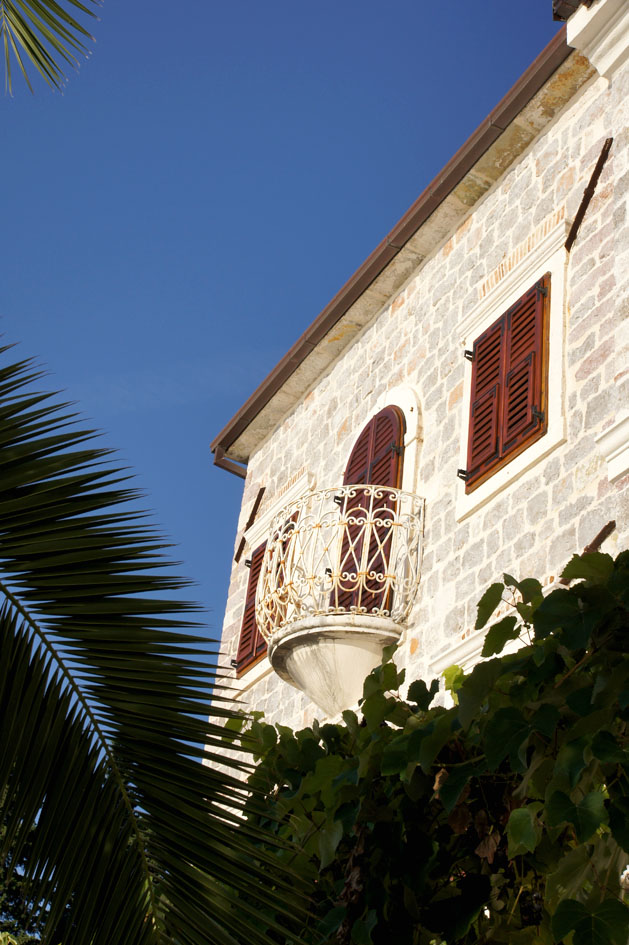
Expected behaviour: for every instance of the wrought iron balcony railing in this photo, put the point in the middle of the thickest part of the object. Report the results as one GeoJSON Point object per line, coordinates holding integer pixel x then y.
{"type": "Point", "coordinates": [349, 550]}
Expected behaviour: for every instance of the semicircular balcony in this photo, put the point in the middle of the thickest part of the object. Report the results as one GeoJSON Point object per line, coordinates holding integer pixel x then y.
{"type": "Point", "coordinates": [338, 581]}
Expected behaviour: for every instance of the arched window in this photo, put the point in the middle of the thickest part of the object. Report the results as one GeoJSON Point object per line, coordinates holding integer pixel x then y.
{"type": "Point", "coordinates": [378, 452]}
{"type": "Point", "coordinates": [375, 460]}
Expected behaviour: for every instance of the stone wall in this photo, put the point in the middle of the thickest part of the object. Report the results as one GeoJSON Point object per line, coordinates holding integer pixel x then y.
{"type": "Point", "coordinates": [534, 525]}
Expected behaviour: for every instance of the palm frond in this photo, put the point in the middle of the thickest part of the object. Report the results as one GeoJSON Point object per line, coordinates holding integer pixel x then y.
{"type": "Point", "coordinates": [104, 689]}
{"type": "Point", "coordinates": [44, 34]}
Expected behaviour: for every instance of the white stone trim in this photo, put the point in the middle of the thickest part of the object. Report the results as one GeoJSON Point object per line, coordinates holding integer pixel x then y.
{"type": "Point", "coordinates": [601, 32]}
{"type": "Point", "coordinates": [407, 399]}
{"type": "Point", "coordinates": [258, 531]}
{"type": "Point", "coordinates": [508, 281]}
{"type": "Point", "coordinates": [547, 255]}
{"type": "Point", "coordinates": [240, 685]}
{"type": "Point", "coordinates": [614, 445]}
{"type": "Point", "coordinates": [467, 653]}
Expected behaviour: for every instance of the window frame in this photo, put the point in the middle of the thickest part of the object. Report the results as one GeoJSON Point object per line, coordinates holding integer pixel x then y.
{"type": "Point", "coordinates": [506, 451]}
{"type": "Point", "coordinates": [257, 533]}
{"type": "Point", "coordinates": [259, 647]}
{"type": "Point", "coordinates": [544, 252]}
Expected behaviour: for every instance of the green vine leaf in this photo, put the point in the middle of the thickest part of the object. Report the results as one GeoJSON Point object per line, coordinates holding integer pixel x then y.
{"type": "Point", "coordinates": [362, 928]}
{"type": "Point", "coordinates": [619, 821]}
{"type": "Point", "coordinates": [330, 836]}
{"type": "Point", "coordinates": [546, 720]}
{"type": "Point", "coordinates": [499, 634]}
{"type": "Point", "coordinates": [432, 744]}
{"type": "Point", "coordinates": [475, 690]}
{"type": "Point", "coordinates": [586, 816]}
{"type": "Point", "coordinates": [395, 756]}
{"type": "Point", "coordinates": [524, 831]}
{"type": "Point", "coordinates": [453, 677]}
{"type": "Point", "coordinates": [559, 609]}
{"type": "Point", "coordinates": [488, 603]}
{"type": "Point", "coordinates": [529, 588]}
{"type": "Point", "coordinates": [452, 787]}
{"type": "Point", "coordinates": [571, 761]}
{"type": "Point", "coordinates": [570, 876]}
{"type": "Point", "coordinates": [506, 735]}
{"type": "Point", "coordinates": [606, 749]}
{"type": "Point", "coordinates": [421, 695]}
{"type": "Point", "coordinates": [607, 924]}
{"type": "Point", "coordinates": [595, 566]}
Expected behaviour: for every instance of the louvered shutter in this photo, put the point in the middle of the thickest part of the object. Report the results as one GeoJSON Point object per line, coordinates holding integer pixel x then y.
{"type": "Point", "coordinates": [507, 403]}
{"type": "Point", "coordinates": [357, 469]}
{"type": "Point", "coordinates": [376, 459]}
{"type": "Point", "coordinates": [251, 644]}
{"type": "Point", "coordinates": [487, 385]}
{"type": "Point", "coordinates": [523, 367]}
{"type": "Point", "coordinates": [385, 465]}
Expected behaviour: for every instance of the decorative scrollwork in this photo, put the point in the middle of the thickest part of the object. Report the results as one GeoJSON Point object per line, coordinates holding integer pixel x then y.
{"type": "Point", "coordinates": [353, 549]}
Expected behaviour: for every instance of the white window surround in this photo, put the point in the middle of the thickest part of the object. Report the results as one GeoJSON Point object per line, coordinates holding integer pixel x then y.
{"type": "Point", "coordinates": [254, 536]}
{"type": "Point", "coordinates": [259, 530]}
{"type": "Point", "coordinates": [407, 400]}
{"type": "Point", "coordinates": [548, 255]}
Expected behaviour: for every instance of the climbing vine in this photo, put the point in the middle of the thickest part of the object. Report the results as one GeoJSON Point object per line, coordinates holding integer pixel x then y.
{"type": "Point", "coordinates": [502, 818]}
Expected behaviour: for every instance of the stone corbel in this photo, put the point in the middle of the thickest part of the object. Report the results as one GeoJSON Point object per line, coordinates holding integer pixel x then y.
{"type": "Point", "coordinates": [601, 32]}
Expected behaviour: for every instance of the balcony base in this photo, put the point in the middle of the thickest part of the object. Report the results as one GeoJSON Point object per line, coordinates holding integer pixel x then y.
{"type": "Point", "coordinates": [328, 656]}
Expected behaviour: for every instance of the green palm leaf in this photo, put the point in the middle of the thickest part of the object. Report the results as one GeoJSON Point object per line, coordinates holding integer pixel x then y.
{"type": "Point", "coordinates": [108, 763]}
{"type": "Point", "coordinates": [45, 34]}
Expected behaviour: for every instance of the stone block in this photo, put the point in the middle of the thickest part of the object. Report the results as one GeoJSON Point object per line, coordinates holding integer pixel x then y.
{"type": "Point", "coordinates": [598, 410]}
{"type": "Point", "coordinates": [537, 509]}
{"type": "Point", "coordinates": [563, 545]}
{"type": "Point", "coordinates": [512, 526]}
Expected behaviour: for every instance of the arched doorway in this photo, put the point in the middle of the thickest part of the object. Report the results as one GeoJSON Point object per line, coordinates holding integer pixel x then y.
{"type": "Point", "coordinates": [375, 460]}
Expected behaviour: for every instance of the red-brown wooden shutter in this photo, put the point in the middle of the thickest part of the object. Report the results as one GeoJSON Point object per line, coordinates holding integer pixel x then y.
{"type": "Point", "coordinates": [507, 403]}
{"type": "Point", "coordinates": [487, 384]}
{"type": "Point", "coordinates": [357, 469]}
{"type": "Point", "coordinates": [376, 459]}
{"type": "Point", "coordinates": [251, 644]}
{"type": "Point", "coordinates": [523, 368]}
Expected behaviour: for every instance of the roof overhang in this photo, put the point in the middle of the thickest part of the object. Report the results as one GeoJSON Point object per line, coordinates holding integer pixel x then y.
{"type": "Point", "coordinates": [540, 93]}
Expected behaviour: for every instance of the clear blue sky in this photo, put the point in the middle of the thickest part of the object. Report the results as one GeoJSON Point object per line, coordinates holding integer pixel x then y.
{"type": "Point", "coordinates": [205, 184]}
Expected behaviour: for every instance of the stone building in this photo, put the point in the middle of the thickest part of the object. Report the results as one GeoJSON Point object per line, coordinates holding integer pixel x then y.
{"type": "Point", "coordinates": [470, 382]}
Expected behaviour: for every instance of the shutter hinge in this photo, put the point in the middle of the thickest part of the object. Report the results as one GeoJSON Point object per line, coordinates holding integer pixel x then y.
{"type": "Point", "coordinates": [396, 449]}
{"type": "Point", "coordinates": [247, 562]}
{"type": "Point", "coordinates": [338, 499]}
{"type": "Point", "coordinates": [328, 571]}
{"type": "Point", "coordinates": [538, 414]}
{"type": "Point", "coordinates": [234, 663]}
{"type": "Point", "coordinates": [468, 354]}
{"type": "Point", "coordinates": [541, 289]}
{"type": "Point", "coordinates": [463, 474]}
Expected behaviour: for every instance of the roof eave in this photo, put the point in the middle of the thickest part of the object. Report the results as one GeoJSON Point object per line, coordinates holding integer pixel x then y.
{"type": "Point", "coordinates": [386, 254]}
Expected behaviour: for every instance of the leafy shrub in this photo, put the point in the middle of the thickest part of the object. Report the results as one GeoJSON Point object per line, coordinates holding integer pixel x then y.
{"type": "Point", "coordinates": [503, 818]}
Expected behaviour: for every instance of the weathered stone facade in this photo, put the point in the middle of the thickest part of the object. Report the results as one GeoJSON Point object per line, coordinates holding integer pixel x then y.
{"type": "Point", "coordinates": [413, 348]}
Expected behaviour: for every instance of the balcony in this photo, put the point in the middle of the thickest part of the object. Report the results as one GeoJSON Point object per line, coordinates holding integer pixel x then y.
{"type": "Point", "coordinates": [338, 581]}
